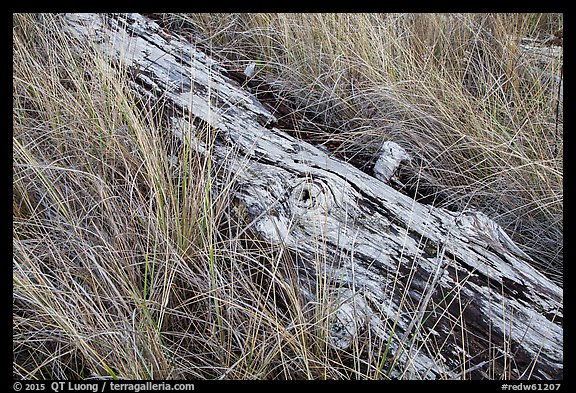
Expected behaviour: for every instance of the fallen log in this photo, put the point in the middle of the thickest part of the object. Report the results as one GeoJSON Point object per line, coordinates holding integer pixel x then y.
{"type": "Point", "coordinates": [447, 293]}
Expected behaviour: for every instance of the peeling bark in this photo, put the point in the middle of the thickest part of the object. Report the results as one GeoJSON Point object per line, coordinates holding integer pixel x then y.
{"type": "Point", "coordinates": [450, 292]}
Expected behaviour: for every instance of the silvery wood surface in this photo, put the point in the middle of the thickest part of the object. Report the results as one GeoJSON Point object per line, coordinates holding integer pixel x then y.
{"type": "Point", "coordinates": [423, 276]}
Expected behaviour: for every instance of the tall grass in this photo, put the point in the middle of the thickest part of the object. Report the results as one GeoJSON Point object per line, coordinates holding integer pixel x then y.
{"type": "Point", "coordinates": [478, 113]}
{"type": "Point", "coordinates": [127, 261]}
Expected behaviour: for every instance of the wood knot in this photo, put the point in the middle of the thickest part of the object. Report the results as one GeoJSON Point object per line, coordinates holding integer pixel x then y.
{"type": "Point", "coordinates": [309, 195]}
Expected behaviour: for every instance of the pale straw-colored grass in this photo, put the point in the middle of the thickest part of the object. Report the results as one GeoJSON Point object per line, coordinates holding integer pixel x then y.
{"type": "Point", "coordinates": [460, 91]}
{"type": "Point", "coordinates": [128, 264]}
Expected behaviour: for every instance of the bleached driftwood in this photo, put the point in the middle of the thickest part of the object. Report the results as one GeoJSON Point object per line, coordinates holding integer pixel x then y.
{"type": "Point", "coordinates": [450, 292]}
{"type": "Point", "coordinates": [390, 157]}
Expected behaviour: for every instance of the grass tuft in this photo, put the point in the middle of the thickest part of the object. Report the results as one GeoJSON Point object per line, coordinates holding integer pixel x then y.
{"type": "Point", "coordinates": [127, 260]}
{"type": "Point", "coordinates": [475, 98]}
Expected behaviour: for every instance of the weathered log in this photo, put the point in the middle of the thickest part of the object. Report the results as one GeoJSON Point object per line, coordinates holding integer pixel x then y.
{"type": "Point", "coordinates": [450, 292]}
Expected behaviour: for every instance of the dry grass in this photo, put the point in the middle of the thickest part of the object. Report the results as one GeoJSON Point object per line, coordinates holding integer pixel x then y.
{"type": "Point", "coordinates": [127, 264]}
{"type": "Point", "coordinates": [459, 91]}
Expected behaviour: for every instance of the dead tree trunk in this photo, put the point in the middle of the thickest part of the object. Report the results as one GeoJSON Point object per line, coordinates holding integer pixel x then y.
{"type": "Point", "coordinates": [450, 292]}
